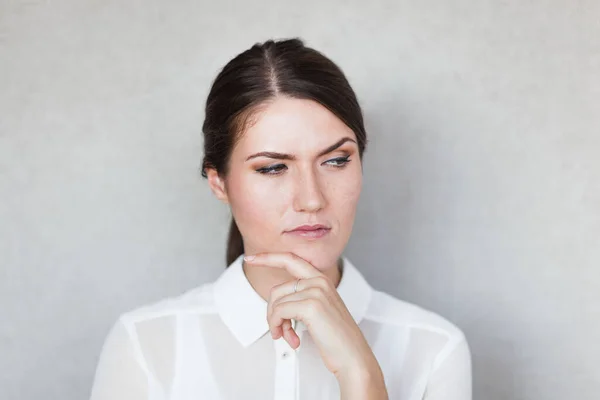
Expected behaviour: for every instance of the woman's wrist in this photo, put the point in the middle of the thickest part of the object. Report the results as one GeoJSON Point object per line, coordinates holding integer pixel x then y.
{"type": "Point", "coordinates": [362, 382]}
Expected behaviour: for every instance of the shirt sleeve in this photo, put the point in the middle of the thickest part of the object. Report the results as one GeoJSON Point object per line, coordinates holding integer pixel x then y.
{"type": "Point", "coordinates": [119, 374]}
{"type": "Point", "coordinates": [451, 377]}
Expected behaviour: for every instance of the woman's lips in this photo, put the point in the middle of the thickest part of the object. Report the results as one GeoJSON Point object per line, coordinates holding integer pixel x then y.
{"type": "Point", "coordinates": [309, 232]}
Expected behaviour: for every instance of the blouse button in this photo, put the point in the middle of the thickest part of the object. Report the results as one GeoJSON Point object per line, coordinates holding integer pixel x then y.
{"type": "Point", "coordinates": [285, 354]}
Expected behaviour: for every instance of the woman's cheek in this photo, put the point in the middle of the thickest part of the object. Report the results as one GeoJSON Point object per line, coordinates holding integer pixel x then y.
{"type": "Point", "coordinates": [348, 188]}
{"type": "Point", "coordinates": [347, 196]}
{"type": "Point", "coordinates": [256, 213]}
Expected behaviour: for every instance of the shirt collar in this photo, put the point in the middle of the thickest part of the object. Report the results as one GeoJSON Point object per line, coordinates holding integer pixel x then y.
{"type": "Point", "coordinates": [244, 312]}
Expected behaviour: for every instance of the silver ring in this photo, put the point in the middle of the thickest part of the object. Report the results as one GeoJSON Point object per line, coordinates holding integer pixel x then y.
{"type": "Point", "coordinates": [296, 286]}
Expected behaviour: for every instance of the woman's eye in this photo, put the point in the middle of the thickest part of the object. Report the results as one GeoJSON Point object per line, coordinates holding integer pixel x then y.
{"type": "Point", "coordinates": [338, 162]}
{"type": "Point", "coordinates": [272, 170]}
{"type": "Point", "coordinates": [277, 169]}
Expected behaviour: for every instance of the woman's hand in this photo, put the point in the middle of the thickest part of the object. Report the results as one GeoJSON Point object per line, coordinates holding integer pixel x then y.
{"type": "Point", "coordinates": [318, 305]}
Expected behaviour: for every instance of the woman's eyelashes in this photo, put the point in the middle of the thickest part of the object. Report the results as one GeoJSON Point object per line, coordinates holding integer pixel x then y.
{"type": "Point", "coordinates": [276, 169]}
{"type": "Point", "coordinates": [272, 170]}
{"type": "Point", "coordinates": [339, 161]}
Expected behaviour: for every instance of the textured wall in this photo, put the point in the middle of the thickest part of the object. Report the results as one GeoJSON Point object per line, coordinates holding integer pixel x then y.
{"type": "Point", "coordinates": [481, 195]}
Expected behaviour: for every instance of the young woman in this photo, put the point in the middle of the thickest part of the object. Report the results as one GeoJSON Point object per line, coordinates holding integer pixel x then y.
{"type": "Point", "coordinates": [290, 317]}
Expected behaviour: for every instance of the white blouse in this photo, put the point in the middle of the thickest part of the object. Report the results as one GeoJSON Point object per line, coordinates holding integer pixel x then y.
{"type": "Point", "coordinates": [213, 343]}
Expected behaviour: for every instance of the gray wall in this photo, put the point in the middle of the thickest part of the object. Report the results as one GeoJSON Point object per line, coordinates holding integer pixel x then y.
{"type": "Point", "coordinates": [481, 198]}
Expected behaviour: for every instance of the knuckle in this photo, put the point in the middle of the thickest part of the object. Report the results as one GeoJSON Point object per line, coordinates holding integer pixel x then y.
{"type": "Point", "coordinates": [323, 282]}
{"type": "Point", "coordinates": [317, 292]}
{"type": "Point", "coordinates": [272, 292]}
{"type": "Point", "coordinates": [273, 316]}
{"type": "Point", "coordinates": [275, 307]}
{"type": "Point", "coordinates": [313, 306]}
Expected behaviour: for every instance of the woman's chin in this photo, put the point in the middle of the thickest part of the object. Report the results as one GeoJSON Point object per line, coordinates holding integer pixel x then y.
{"type": "Point", "coordinates": [320, 260]}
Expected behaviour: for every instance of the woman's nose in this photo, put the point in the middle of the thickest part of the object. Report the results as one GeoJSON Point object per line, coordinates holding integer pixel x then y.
{"type": "Point", "coordinates": [308, 195]}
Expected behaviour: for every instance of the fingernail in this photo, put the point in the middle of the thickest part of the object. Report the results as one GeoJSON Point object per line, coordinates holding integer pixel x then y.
{"type": "Point", "coordinates": [248, 258]}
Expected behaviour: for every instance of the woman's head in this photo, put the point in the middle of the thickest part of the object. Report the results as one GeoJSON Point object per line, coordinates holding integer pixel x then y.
{"type": "Point", "coordinates": [283, 144]}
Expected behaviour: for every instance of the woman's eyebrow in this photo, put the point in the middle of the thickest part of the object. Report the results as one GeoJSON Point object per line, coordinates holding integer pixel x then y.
{"type": "Point", "coordinates": [283, 156]}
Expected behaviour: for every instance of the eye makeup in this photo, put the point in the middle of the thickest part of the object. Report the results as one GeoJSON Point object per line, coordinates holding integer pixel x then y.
{"type": "Point", "coordinates": [277, 169]}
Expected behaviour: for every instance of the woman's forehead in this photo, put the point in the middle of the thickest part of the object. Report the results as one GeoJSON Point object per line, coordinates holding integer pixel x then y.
{"type": "Point", "coordinates": [288, 124]}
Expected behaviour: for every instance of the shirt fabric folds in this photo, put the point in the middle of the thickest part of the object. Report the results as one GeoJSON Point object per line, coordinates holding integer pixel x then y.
{"type": "Point", "coordinates": [213, 343]}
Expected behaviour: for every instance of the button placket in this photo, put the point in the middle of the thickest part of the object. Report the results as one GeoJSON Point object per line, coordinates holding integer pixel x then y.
{"type": "Point", "coordinates": [286, 369]}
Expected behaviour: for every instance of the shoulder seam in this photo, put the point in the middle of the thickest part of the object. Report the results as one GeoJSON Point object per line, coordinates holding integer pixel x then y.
{"type": "Point", "coordinates": [162, 308]}
{"type": "Point", "coordinates": [447, 350]}
{"type": "Point", "coordinates": [139, 316]}
{"type": "Point", "coordinates": [134, 341]}
{"type": "Point", "coordinates": [445, 327]}
{"type": "Point", "coordinates": [401, 324]}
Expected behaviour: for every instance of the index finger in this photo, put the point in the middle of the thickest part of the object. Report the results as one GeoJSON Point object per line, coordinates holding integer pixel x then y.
{"type": "Point", "coordinates": [295, 265]}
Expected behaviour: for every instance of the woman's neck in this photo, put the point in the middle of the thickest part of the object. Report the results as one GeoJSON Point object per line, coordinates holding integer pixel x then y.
{"type": "Point", "coordinates": [262, 279]}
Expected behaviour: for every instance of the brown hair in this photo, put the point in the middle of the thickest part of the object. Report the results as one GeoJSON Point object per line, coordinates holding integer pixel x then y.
{"type": "Point", "coordinates": [256, 76]}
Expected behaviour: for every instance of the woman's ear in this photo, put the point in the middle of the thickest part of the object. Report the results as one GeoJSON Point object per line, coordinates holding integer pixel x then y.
{"type": "Point", "coordinates": [217, 185]}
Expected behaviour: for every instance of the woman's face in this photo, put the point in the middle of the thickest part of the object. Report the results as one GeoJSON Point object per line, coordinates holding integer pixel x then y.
{"type": "Point", "coordinates": [297, 164]}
